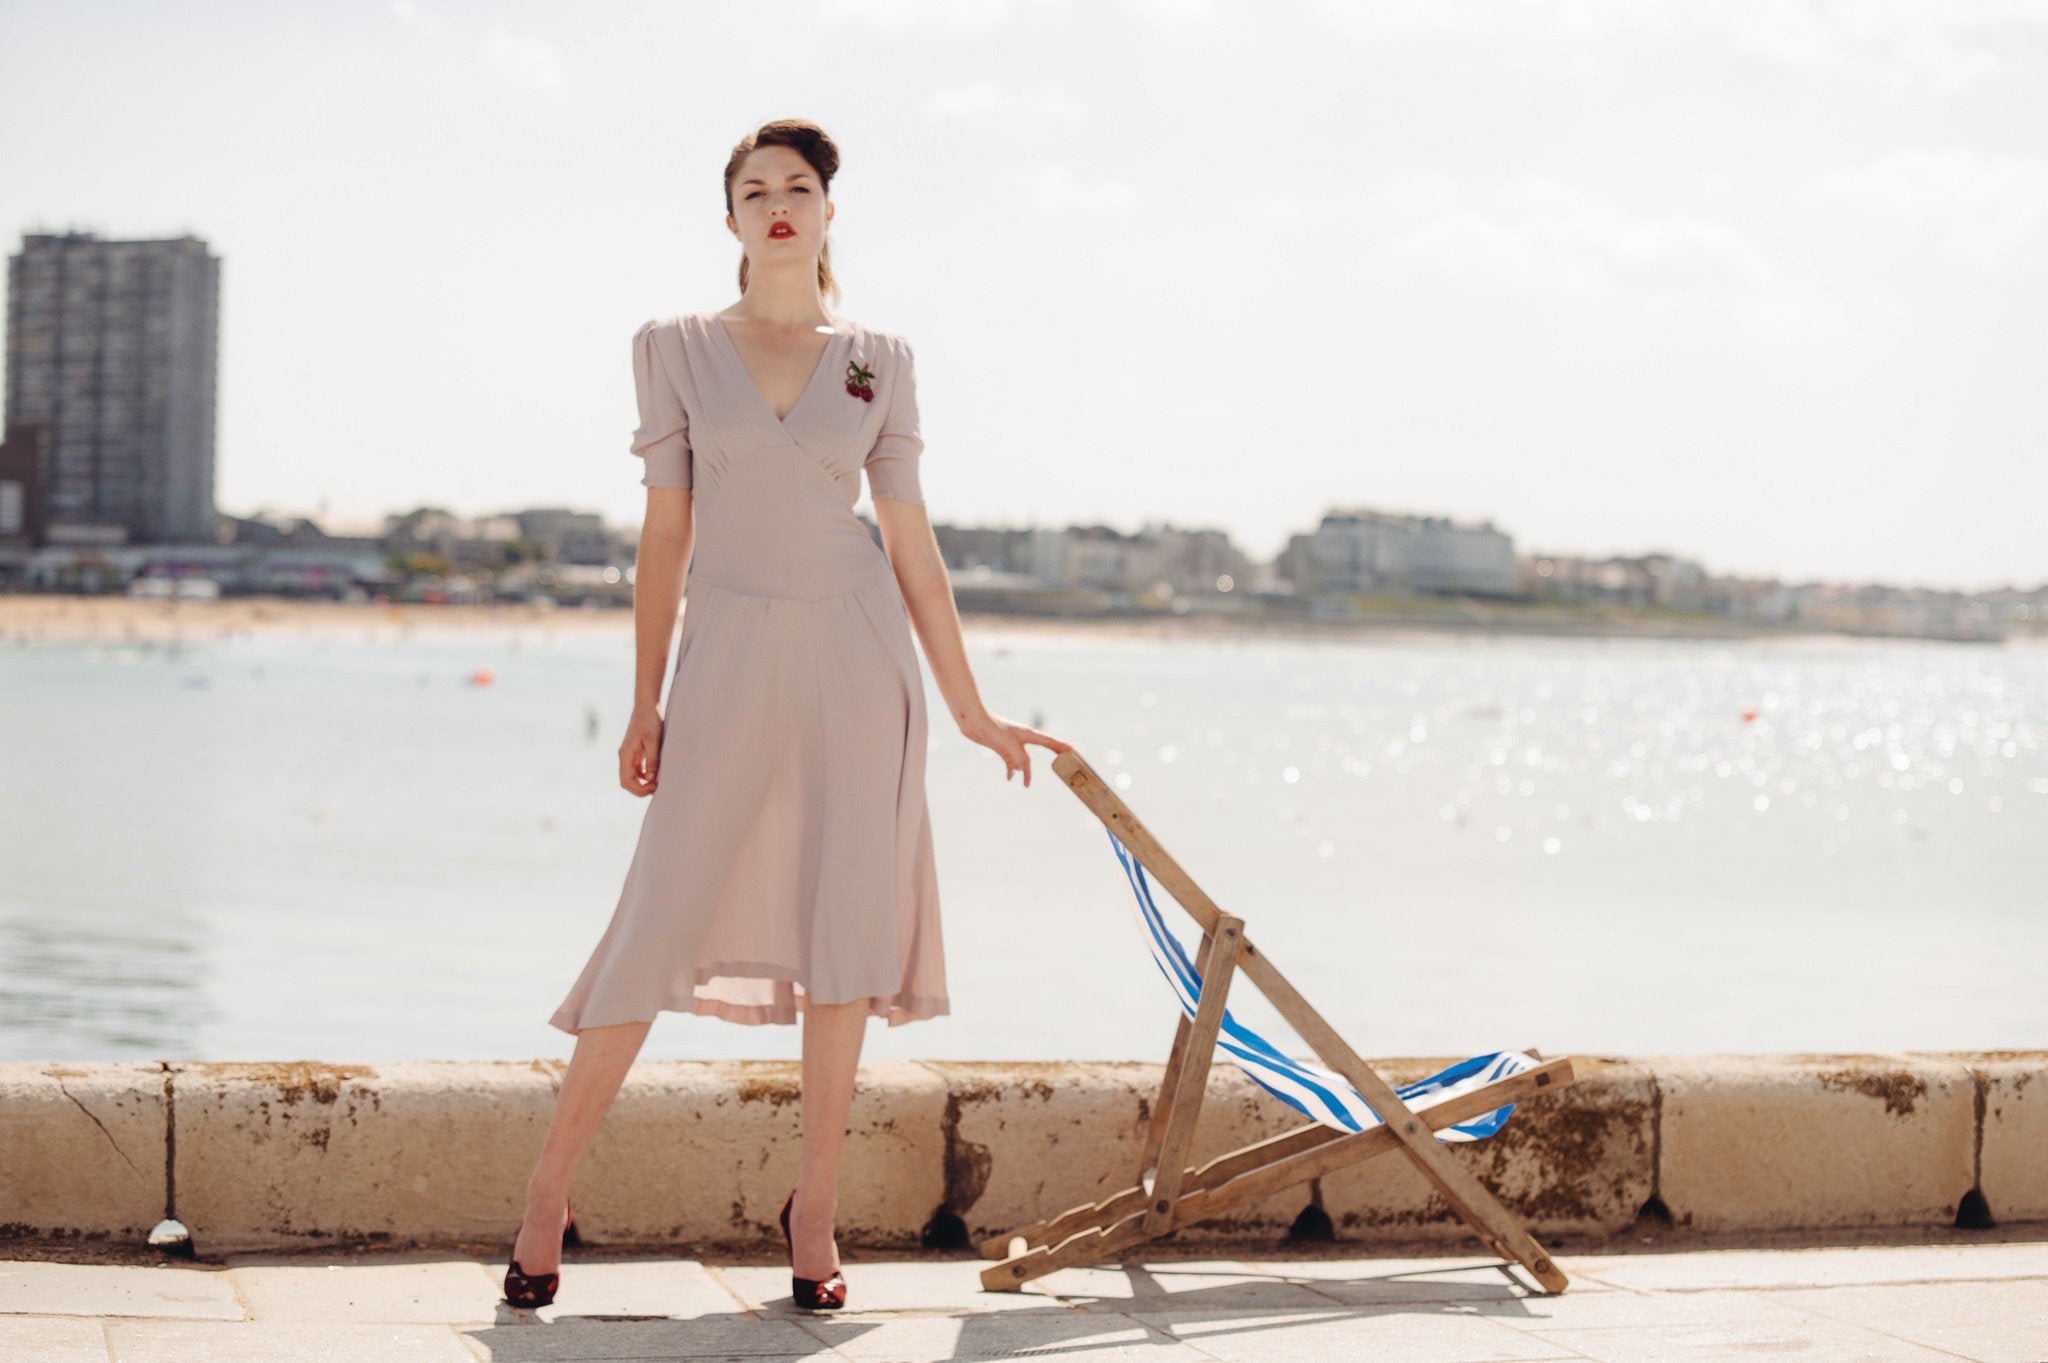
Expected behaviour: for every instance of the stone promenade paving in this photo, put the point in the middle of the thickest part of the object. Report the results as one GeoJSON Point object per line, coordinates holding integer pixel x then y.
{"type": "Point", "coordinates": [1985, 1302]}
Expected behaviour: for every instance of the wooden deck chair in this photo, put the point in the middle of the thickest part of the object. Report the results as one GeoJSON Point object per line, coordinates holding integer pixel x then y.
{"type": "Point", "coordinates": [1355, 1113]}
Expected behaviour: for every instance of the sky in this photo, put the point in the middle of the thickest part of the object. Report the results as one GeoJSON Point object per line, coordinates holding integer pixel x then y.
{"type": "Point", "coordinates": [1763, 283]}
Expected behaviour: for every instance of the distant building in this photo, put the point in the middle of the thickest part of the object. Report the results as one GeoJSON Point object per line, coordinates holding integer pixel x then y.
{"type": "Point", "coordinates": [21, 494]}
{"type": "Point", "coordinates": [463, 542]}
{"type": "Point", "coordinates": [1198, 562]}
{"type": "Point", "coordinates": [565, 536]}
{"type": "Point", "coordinates": [1049, 557]}
{"type": "Point", "coordinates": [1658, 579]}
{"type": "Point", "coordinates": [1879, 609]}
{"type": "Point", "coordinates": [250, 531]}
{"type": "Point", "coordinates": [1000, 550]}
{"type": "Point", "coordinates": [1753, 600]}
{"type": "Point", "coordinates": [1360, 551]}
{"type": "Point", "coordinates": [1063, 567]}
{"type": "Point", "coordinates": [337, 568]}
{"type": "Point", "coordinates": [113, 345]}
{"type": "Point", "coordinates": [1104, 559]}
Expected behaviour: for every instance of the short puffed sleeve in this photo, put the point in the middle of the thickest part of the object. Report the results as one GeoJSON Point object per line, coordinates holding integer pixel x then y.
{"type": "Point", "coordinates": [892, 463]}
{"type": "Point", "coordinates": [663, 438]}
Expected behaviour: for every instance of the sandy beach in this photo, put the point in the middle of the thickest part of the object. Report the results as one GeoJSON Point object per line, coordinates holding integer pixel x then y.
{"type": "Point", "coordinates": [120, 618]}
{"type": "Point", "coordinates": [31, 617]}
{"type": "Point", "coordinates": [125, 619]}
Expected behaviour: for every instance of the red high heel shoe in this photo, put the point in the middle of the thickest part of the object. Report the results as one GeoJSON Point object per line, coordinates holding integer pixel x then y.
{"type": "Point", "coordinates": [813, 1294]}
{"type": "Point", "coordinates": [530, 1290]}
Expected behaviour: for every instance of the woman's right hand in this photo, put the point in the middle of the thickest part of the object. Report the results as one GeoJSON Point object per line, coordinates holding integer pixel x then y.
{"type": "Point", "coordinates": [640, 754]}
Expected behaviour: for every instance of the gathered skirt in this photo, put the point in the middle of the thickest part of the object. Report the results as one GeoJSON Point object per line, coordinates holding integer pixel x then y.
{"type": "Point", "coordinates": [785, 856]}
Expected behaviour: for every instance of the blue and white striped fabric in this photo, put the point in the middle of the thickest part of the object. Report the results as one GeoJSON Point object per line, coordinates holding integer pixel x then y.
{"type": "Point", "coordinates": [1314, 1090]}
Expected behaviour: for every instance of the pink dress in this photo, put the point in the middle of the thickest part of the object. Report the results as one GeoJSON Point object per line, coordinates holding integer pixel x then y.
{"type": "Point", "coordinates": [786, 853]}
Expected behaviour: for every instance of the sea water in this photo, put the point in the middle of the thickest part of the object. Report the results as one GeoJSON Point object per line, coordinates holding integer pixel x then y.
{"type": "Point", "coordinates": [293, 846]}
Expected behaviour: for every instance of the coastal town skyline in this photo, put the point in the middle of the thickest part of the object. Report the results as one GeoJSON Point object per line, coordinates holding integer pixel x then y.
{"type": "Point", "coordinates": [376, 523]}
{"type": "Point", "coordinates": [360, 517]}
{"type": "Point", "coordinates": [111, 396]}
{"type": "Point", "coordinates": [1356, 566]}
{"type": "Point", "coordinates": [108, 472]}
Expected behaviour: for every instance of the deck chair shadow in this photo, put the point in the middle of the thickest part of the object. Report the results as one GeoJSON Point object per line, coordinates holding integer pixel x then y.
{"type": "Point", "coordinates": [1354, 1113]}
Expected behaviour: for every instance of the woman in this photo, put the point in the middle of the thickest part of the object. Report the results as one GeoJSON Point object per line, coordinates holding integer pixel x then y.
{"type": "Point", "coordinates": [785, 865]}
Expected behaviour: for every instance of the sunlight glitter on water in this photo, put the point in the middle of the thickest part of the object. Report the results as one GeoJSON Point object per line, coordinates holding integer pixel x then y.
{"type": "Point", "coordinates": [339, 848]}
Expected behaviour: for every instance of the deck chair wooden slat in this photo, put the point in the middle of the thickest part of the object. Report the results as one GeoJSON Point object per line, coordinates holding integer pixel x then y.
{"type": "Point", "coordinates": [1275, 1153]}
{"type": "Point", "coordinates": [1169, 1194]}
{"type": "Point", "coordinates": [1217, 960]}
{"type": "Point", "coordinates": [1162, 1107]}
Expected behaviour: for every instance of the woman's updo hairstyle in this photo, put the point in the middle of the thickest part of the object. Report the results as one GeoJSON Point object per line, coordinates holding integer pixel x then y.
{"type": "Point", "coordinates": [816, 146]}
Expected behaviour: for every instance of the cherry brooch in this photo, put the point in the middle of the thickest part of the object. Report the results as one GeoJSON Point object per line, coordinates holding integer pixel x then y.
{"type": "Point", "coordinates": [859, 381]}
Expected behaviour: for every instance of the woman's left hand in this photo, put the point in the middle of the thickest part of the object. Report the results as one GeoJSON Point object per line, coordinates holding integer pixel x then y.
{"type": "Point", "coordinates": [1007, 738]}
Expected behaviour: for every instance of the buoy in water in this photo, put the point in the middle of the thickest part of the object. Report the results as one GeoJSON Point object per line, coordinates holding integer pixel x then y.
{"type": "Point", "coordinates": [1748, 715]}
{"type": "Point", "coordinates": [480, 677]}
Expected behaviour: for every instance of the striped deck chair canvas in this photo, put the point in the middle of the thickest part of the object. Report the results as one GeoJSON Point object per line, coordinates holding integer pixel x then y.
{"type": "Point", "coordinates": [1315, 1091]}
{"type": "Point", "coordinates": [1353, 1113]}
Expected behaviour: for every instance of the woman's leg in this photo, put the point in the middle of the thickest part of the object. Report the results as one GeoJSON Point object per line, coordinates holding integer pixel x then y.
{"type": "Point", "coordinates": [596, 1069]}
{"type": "Point", "coordinates": [832, 1037]}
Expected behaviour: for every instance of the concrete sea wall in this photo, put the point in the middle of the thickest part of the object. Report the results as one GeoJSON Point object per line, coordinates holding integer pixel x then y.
{"type": "Point", "coordinates": [282, 1155]}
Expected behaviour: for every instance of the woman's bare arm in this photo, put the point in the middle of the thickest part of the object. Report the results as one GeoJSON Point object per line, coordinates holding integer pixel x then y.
{"type": "Point", "coordinates": [666, 536]}
{"type": "Point", "coordinates": [928, 598]}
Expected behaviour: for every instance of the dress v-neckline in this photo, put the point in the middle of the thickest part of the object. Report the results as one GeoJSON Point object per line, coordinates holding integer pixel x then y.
{"type": "Point", "coordinates": [733, 350]}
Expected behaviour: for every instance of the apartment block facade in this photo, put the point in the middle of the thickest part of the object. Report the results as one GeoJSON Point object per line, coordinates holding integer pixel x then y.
{"type": "Point", "coordinates": [112, 347]}
{"type": "Point", "coordinates": [1376, 551]}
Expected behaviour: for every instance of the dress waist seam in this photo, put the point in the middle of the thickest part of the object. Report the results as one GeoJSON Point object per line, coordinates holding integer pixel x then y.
{"type": "Point", "coordinates": [865, 578]}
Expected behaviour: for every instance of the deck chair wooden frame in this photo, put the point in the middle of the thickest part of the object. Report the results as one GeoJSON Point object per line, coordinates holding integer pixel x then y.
{"type": "Point", "coordinates": [1168, 1194]}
